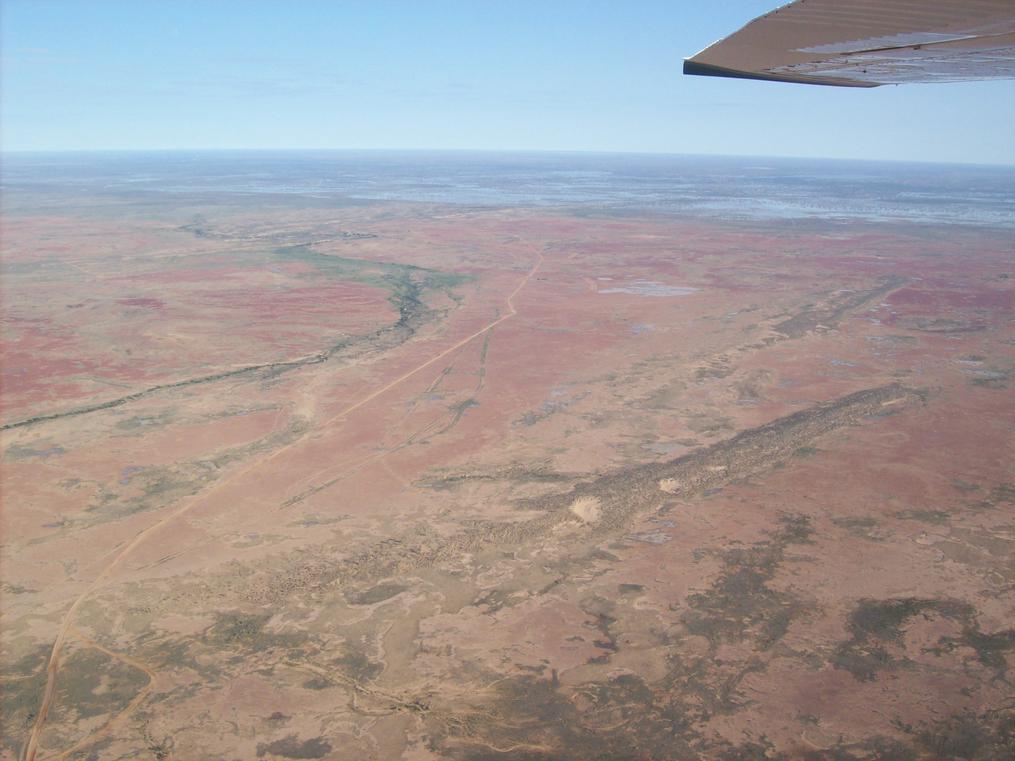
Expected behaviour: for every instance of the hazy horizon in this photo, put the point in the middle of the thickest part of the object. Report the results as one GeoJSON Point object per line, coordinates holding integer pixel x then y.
{"type": "Point", "coordinates": [728, 187]}
{"type": "Point", "coordinates": [498, 151]}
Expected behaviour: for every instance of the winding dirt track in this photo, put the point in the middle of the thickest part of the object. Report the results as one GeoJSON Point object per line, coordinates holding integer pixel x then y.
{"type": "Point", "coordinates": [67, 623]}
{"type": "Point", "coordinates": [133, 704]}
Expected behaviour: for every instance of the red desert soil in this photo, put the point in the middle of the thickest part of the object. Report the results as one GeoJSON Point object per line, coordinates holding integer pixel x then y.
{"type": "Point", "coordinates": [504, 483]}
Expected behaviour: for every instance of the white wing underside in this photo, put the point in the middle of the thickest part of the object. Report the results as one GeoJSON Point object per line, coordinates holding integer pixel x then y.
{"type": "Point", "coordinates": [866, 43]}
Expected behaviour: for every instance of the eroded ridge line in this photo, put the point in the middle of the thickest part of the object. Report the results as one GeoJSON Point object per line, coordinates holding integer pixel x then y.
{"type": "Point", "coordinates": [310, 359]}
{"type": "Point", "coordinates": [621, 496]}
{"type": "Point", "coordinates": [53, 666]}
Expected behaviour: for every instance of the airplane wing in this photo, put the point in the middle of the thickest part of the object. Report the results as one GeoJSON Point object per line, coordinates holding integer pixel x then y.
{"type": "Point", "coordinates": [866, 43]}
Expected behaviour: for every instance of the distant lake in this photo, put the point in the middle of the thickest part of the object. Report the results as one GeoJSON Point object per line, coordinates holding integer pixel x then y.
{"type": "Point", "coordinates": [725, 187]}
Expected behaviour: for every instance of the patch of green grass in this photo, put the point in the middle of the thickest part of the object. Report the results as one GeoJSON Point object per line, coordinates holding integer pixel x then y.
{"type": "Point", "coordinates": [355, 664]}
{"type": "Point", "coordinates": [990, 647]}
{"type": "Point", "coordinates": [965, 486]}
{"type": "Point", "coordinates": [991, 381]}
{"type": "Point", "coordinates": [876, 626]}
{"type": "Point", "coordinates": [740, 604]}
{"type": "Point", "coordinates": [989, 736]}
{"type": "Point", "coordinates": [406, 284]}
{"type": "Point", "coordinates": [1003, 493]}
{"type": "Point", "coordinates": [23, 684]}
{"type": "Point", "coordinates": [936, 517]}
{"type": "Point", "coordinates": [292, 747]}
{"type": "Point", "coordinates": [93, 684]}
{"type": "Point", "coordinates": [17, 452]}
{"type": "Point", "coordinates": [884, 619]}
{"type": "Point", "coordinates": [246, 631]}
{"type": "Point", "coordinates": [375, 594]}
{"type": "Point", "coordinates": [620, 719]}
{"type": "Point", "coordinates": [144, 423]}
{"type": "Point", "coordinates": [863, 527]}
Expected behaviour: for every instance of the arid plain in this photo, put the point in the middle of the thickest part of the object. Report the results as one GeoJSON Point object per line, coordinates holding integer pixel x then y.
{"type": "Point", "coordinates": [291, 478]}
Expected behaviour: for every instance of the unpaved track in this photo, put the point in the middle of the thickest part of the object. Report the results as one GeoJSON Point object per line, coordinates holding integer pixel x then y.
{"type": "Point", "coordinates": [67, 623]}
{"type": "Point", "coordinates": [117, 718]}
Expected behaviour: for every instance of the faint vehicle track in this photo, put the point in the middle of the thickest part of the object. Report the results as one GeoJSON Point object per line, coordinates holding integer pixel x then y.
{"type": "Point", "coordinates": [127, 710]}
{"type": "Point", "coordinates": [436, 427]}
{"type": "Point", "coordinates": [66, 625]}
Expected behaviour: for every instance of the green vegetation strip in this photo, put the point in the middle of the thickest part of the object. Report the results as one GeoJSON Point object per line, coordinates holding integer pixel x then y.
{"type": "Point", "coordinates": [407, 286]}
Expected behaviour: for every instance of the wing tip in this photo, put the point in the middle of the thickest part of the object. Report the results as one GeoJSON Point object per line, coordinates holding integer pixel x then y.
{"type": "Point", "coordinates": [698, 69]}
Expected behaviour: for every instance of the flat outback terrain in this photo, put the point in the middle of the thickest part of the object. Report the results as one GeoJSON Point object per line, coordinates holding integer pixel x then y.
{"type": "Point", "coordinates": [510, 466]}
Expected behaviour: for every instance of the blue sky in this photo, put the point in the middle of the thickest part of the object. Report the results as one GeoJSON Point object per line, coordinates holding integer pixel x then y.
{"type": "Point", "coordinates": [506, 75]}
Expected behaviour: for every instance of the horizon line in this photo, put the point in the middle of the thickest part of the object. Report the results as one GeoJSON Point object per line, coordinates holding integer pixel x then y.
{"type": "Point", "coordinates": [500, 151]}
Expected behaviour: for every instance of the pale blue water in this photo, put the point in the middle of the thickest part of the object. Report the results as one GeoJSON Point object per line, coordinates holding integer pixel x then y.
{"type": "Point", "coordinates": [723, 187]}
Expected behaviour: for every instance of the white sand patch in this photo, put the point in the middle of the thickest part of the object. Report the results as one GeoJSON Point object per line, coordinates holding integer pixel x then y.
{"type": "Point", "coordinates": [588, 509]}
{"type": "Point", "coordinates": [650, 288]}
{"type": "Point", "coordinates": [669, 485]}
